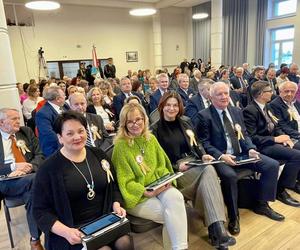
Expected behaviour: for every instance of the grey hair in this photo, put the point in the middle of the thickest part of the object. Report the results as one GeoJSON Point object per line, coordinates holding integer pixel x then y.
{"type": "Point", "coordinates": [182, 76]}
{"type": "Point", "coordinates": [161, 75]}
{"type": "Point", "coordinates": [3, 112]}
{"type": "Point", "coordinates": [52, 93]}
{"type": "Point", "coordinates": [282, 85]}
{"type": "Point", "coordinates": [215, 85]}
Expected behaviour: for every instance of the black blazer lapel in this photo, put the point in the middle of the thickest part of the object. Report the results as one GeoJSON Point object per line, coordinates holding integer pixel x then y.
{"type": "Point", "coordinates": [217, 120]}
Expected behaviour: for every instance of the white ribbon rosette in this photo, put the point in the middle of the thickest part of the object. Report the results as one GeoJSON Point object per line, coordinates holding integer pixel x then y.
{"type": "Point", "coordinates": [22, 146]}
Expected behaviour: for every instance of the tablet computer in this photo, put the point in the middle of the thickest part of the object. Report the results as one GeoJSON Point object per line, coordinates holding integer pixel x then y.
{"type": "Point", "coordinates": [244, 159]}
{"type": "Point", "coordinates": [100, 223]}
{"type": "Point", "coordinates": [163, 181]}
{"type": "Point", "coordinates": [7, 178]}
{"type": "Point", "coordinates": [199, 163]}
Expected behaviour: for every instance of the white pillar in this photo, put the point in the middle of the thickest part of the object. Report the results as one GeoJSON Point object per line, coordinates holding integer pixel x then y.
{"type": "Point", "coordinates": [216, 32]}
{"type": "Point", "coordinates": [157, 42]}
{"type": "Point", "coordinates": [8, 91]}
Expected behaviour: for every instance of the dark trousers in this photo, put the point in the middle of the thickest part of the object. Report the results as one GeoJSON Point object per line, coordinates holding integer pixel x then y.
{"type": "Point", "coordinates": [267, 185]}
{"type": "Point", "coordinates": [291, 156]}
{"type": "Point", "coordinates": [22, 189]}
{"type": "Point", "coordinates": [297, 146]}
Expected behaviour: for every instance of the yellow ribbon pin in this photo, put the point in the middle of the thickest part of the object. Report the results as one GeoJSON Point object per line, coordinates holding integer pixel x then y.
{"type": "Point", "coordinates": [95, 132]}
{"type": "Point", "coordinates": [106, 167]}
{"type": "Point", "coordinates": [191, 134]}
{"type": "Point", "coordinates": [273, 117]}
{"type": "Point", "coordinates": [22, 146]}
{"type": "Point", "coordinates": [238, 129]}
{"type": "Point", "coordinates": [292, 115]}
{"type": "Point", "coordinates": [140, 160]}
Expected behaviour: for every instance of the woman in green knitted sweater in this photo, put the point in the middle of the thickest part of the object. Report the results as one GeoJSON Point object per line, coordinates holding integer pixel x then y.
{"type": "Point", "coordinates": [139, 160]}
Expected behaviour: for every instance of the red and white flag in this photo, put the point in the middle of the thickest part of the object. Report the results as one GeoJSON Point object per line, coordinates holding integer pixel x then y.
{"type": "Point", "coordinates": [94, 57]}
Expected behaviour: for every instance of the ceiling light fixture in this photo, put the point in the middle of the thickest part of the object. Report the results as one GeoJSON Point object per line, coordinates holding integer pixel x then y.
{"type": "Point", "coordinates": [142, 12]}
{"type": "Point", "coordinates": [200, 15]}
{"type": "Point", "coordinates": [42, 5]}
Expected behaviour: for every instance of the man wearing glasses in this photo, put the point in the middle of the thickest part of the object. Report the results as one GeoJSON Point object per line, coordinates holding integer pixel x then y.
{"type": "Point", "coordinates": [263, 128]}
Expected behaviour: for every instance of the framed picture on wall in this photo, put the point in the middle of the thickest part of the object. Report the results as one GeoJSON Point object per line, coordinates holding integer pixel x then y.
{"type": "Point", "coordinates": [132, 56]}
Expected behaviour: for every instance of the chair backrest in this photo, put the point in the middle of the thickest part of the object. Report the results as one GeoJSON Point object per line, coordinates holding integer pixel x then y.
{"type": "Point", "coordinates": [13, 202]}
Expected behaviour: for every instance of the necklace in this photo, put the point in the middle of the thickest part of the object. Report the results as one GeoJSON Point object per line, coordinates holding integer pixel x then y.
{"type": "Point", "coordinates": [142, 149]}
{"type": "Point", "coordinates": [91, 192]}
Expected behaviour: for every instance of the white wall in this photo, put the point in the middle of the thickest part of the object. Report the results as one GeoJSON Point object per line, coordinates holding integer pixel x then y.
{"type": "Point", "coordinates": [112, 30]}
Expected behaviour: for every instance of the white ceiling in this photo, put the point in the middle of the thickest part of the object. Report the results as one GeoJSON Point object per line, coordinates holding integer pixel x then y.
{"type": "Point", "coordinates": [126, 3]}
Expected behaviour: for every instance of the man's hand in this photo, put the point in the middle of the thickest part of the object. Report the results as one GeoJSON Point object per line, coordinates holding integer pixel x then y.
{"type": "Point", "coordinates": [183, 167]}
{"type": "Point", "coordinates": [207, 158]}
{"type": "Point", "coordinates": [16, 173]}
{"type": "Point", "coordinates": [282, 139]}
{"type": "Point", "coordinates": [24, 167]}
{"type": "Point", "coordinates": [253, 154]}
{"type": "Point", "coordinates": [229, 159]}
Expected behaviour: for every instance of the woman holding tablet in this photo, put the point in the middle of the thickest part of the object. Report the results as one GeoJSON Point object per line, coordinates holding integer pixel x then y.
{"type": "Point", "coordinates": [73, 187]}
{"type": "Point", "coordinates": [199, 184]}
{"type": "Point", "coordinates": [139, 160]}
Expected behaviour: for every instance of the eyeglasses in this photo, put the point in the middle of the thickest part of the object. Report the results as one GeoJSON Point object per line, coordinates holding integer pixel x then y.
{"type": "Point", "coordinates": [138, 121]}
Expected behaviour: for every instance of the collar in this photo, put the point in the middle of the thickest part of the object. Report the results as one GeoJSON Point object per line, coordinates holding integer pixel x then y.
{"type": "Point", "coordinates": [261, 106]}
{"type": "Point", "coordinates": [203, 98]}
{"type": "Point", "coordinates": [221, 110]}
{"type": "Point", "coordinates": [185, 90]}
{"type": "Point", "coordinates": [4, 135]}
{"type": "Point", "coordinates": [162, 91]}
{"type": "Point", "coordinates": [56, 107]}
{"type": "Point", "coordinates": [289, 105]}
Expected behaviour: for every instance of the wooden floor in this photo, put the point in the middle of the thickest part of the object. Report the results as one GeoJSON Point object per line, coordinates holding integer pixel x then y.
{"type": "Point", "coordinates": [257, 232]}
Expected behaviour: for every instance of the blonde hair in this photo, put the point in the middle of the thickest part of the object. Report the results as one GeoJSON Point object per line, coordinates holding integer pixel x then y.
{"type": "Point", "coordinates": [90, 93]}
{"type": "Point", "coordinates": [122, 129]}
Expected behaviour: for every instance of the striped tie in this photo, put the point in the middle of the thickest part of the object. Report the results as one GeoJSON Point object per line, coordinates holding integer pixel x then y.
{"type": "Point", "coordinates": [89, 140]}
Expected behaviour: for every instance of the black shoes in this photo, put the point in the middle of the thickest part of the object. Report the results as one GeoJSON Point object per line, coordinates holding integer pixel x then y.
{"type": "Point", "coordinates": [285, 198]}
{"type": "Point", "coordinates": [297, 188]}
{"type": "Point", "coordinates": [219, 237]}
{"type": "Point", "coordinates": [234, 226]}
{"type": "Point", "coordinates": [265, 209]}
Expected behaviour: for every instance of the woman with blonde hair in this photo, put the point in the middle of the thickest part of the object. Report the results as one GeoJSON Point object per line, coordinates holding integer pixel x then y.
{"type": "Point", "coordinates": [107, 92]}
{"type": "Point", "coordinates": [139, 160]}
{"type": "Point", "coordinates": [99, 107]}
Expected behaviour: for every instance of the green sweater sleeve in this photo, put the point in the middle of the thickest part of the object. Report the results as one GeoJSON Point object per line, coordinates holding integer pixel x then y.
{"type": "Point", "coordinates": [130, 177]}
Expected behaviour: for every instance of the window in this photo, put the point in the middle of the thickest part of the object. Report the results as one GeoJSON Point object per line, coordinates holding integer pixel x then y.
{"type": "Point", "coordinates": [282, 7]}
{"type": "Point", "coordinates": [282, 44]}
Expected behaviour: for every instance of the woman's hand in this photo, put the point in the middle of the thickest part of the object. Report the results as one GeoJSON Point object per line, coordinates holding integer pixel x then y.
{"type": "Point", "coordinates": [73, 236]}
{"type": "Point", "coordinates": [207, 158]}
{"type": "Point", "coordinates": [118, 209]}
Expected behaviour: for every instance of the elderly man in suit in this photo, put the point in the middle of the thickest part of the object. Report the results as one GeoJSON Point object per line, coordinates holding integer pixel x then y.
{"type": "Point", "coordinates": [195, 80]}
{"type": "Point", "coordinates": [223, 134]}
{"type": "Point", "coordinates": [199, 101]}
{"type": "Point", "coordinates": [126, 88]}
{"type": "Point", "coordinates": [271, 78]}
{"type": "Point", "coordinates": [264, 130]}
{"type": "Point", "coordinates": [20, 154]}
{"type": "Point", "coordinates": [97, 135]}
{"type": "Point", "coordinates": [239, 84]}
{"type": "Point", "coordinates": [184, 88]}
{"type": "Point", "coordinates": [46, 117]}
{"type": "Point", "coordinates": [287, 109]}
{"type": "Point", "coordinates": [163, 85]}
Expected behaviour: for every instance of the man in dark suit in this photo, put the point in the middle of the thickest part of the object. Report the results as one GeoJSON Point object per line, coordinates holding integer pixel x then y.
{"type": "Point", "coordinates": [97, 135]}
{"type": "Point", "coordinates": [271, 79]}
{"type": "Point", "coordinates": [223, 134]}
{"type": "Point", "coordinates": [239, 85]}
{"type": "Point", "coordinates": [110, 69]}
{"type": "Point", "coordinates": [126, 88]}
{"type": "Point", "coordinates": [262, 127]}
{"type": "Point", "coordinates": [293, 73]}
{"type": "Point", "coordinates": [246, 74]}
{"type": "Point", "coordinates": [163, 85]}
{"type": "Point", "coordinates": [199, 101]}
{"type": "Point", "coordinates": [184, 91]}
{"type": "Point", "coordinates": [20, 154]}
{"type": "Point", "coordinates": [46, 117]}
{"type": "Point", "coordinates": [287, 109]}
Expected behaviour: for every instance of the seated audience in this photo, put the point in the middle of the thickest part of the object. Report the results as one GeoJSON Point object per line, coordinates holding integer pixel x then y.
{"type": "Point", "coordinates": [32, 100]}
{"type": "Point", "coordinates": [45, 118]}
{"type": "Point", "coordinates": [223, 134]}
{"type": "Point", "coordinates": [99, 107]}
{"type": "Point", "coordinates": [107, 92]}
{"type": "Point", "coordinates": [240, 85]}
{"type": "Point", "coordinates": [195, 80]}
{"type": "Point", "coordinates": [139, 160]}
{"type": "Point", "coordinates": [97, 135]}
{"type": "Point", "coordinates": [152, 88]}
{"type": "Point", "coordinates": [293, 73]}
{"type": "Point", "coordinates": [262, 127]}
{"type": "Point", "coordinates": [20, 154]}
{"type": "Point", "coordinates": [71, 189]}
{"type": "Point", "coordinates": [271, 79]}
{"type": "Point", "coordinates": [174, 133]}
